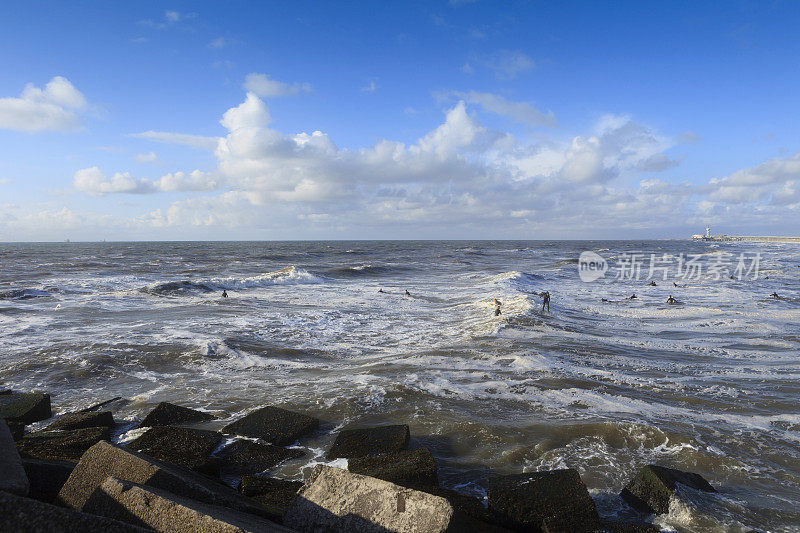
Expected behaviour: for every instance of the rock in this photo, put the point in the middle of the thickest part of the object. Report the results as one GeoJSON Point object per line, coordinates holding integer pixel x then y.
{"type": "Point", "coordinates": [335, 500]}
{"type": "Point", "coordinates": [168, 414]}
{"type": "Point", "coordinates": [17, 429]}
{"type": "Point", "coordinates": [104, 459]}
{"type": "Point", "coordinates": [186, 447]}
{"type": "Point", "coordinates": [12, 474]}
{"type": "Point", "coordinates": [97, 406]}
{"type": "Point", "coordinates": [274, 494]}
{"type": "Point", "coordinates": [158, 509]}
{"type": "Point", "coordinates": [25, 407]}
{"type": "Point", "coordinates": [469, 505]}
{"type": "Point", "coordinates": [83, 420]}
{"type": "Point", "coordinates": [46, 477]}
{"type": "Point", "coordinates": [248, 457]}
{"type": "Point", "coordinates": [651, 488]}
{"type": "Point", "coordinates": [274, 425]}
{"type": "Point", "coordinates": [61, 445]}
{"type": "Point", "coordinates": [369, 441]}
{"type": "Point", "coordinates": [556, 500]}
{"type": "Point", "coordinates": [24, 515]}
{"type": "Point", "coordinates": [622, 526]}
{"type": "Point", "coordinates": [406, 467]}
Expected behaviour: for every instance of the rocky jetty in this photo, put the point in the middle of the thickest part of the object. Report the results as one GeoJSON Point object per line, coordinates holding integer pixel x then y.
{"type": "Point", "coordinates": [273, 425]}
{"type": "Point", "coordinates": [651, 489]}
{"type": "Point", "coordinates": [369, 441]}
{"type": "Point", "coordinates": [168, 414]}
{"type": "Point", "coordinates": [69, 477]}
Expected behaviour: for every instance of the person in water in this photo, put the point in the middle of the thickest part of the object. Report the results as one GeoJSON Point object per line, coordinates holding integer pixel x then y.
{"type": "Point", "coordinates": [674, 284]}
{"type": "Point", "coordinates": [408, 293]}
{"type": "Point", "coordinates": [546, 300]}
{"type": "Point", "coordinates": [671, 300]}
{"type": "Point", "coordinates": [653, 283]}
{"type": "Point", "coordinates": [632, 297]}
{"type": "Point", "coordinates": [774, 295]}
{"type": "Point", "coordinates": [380, 290]}
{"type": "Point", "coordinates": [224, 293]}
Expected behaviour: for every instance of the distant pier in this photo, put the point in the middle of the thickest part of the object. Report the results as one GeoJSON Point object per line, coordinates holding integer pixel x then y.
{"type": "Point", "coordinates": [747, 238]}
{"type": "Point", "coordinates": [742, 238]}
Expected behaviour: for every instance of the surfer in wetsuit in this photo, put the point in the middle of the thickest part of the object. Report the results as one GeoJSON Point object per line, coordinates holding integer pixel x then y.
{"type": "Point", "coordinates": [224, 293]}
{"type": "Point", "coordinates": [632, 297]}
{"type": "Point", "coordinates": [653, 283]}
{"type": "Point", "coordinates": [408, 293]}
{"type": "Point", "coordinates": [671, 300]}
{"type": "Point", "coordinates": [380, 290]}
{"type": "Point", "coordinates": [774, 295]}
{"type": "Point", "coordinates": [546, 300]}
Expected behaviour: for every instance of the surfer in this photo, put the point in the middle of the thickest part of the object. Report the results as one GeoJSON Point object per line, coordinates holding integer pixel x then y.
{"type": "Point", "coordinates": [774, 295]}
{"type": "Point", "coordinates": [380, 290]}
{"type": "Point", "coordinates": [632, 297]}
{"type": "Point", "coordinates": [408, 293]}
{"type": "Point", "coordinates": [546, 300]}
{"type": "Point", "coordinates": [224, 293]}
{"type": "Point", "coordinates": [674, 284]}
{"type": "Point", "coordinates": [671, 300]}
{"type": "Point", "coordinates": [653, 283]}
{"type": "Point", "coordinates": [497, 304]}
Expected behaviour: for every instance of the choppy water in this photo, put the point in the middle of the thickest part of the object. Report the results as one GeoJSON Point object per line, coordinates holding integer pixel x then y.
{"type": "Point", "coordinates": [709, 385]}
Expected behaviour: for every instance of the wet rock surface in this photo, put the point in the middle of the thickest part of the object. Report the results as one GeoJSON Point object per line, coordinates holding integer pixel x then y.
{"type": "Point", "coordinates": [159, 509]}
{"type": "Point", "coordinates": [12, 474]}
{"type": "Point", "coordinates": [46, 477]}
{"type": "Point", "coordinates": [273, 425]}
{"type": "Point", "coordinates": [167, 414]}
{"type": "Point", "coordinates": [274, 494]}
{"type": "Point", "coordinates": [406, 467]}
{"type": "Point", "coordinates": [336, 500]}
{"type": "Point", "coordinates": [104, 459]}
{"type": "Point", "coordinates": [25, 407]}
{"type": "Point", "coordinates": [555, 500]}
{"type": "Point", "coordinates": [370, 441]}
{"type": "Point", "coordinates": [61, 445]}
{"type": "Point", "coordinates": [248, 457]}
{"type": "Point", "coordinates": [25, 515]}
{"type": "Point", "coordinates": [81, 420]}
{"type": "Point", "coordinates": [651, 489]}
{"type": "Point", "coordinates": [186, 447]}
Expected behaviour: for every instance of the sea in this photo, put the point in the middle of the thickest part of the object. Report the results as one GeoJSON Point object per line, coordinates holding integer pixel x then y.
{"type": "Point", "coordinates": [599, 382]}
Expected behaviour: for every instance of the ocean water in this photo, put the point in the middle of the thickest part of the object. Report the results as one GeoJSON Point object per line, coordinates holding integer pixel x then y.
{"type": "Point", "coordinates": [710, 384]}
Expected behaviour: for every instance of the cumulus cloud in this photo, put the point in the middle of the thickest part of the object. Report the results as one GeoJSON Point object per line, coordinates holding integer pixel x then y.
{"type": "Point", "coordinates": [523, 112]}
{"type": "Point", "coordinates": [57, 107]}
{"type": "Point", "coordinates": [195, 141]}
{"type": "Point", "coordinates": [149, 157]}
{"type": "Point", "coordinates": [94, 182]}
{"type": "Point", "coordinates": [460, 177]}
{"type": "Point", "coordinates": [507, 64]}
{"type": "Point", "coordinates": [776, 177]}
{"type": "Point", "coordinates": [265, 87]}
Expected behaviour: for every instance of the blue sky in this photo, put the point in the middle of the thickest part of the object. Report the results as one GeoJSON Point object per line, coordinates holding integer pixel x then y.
{"type": "Point", "coordinates": [321, 120]}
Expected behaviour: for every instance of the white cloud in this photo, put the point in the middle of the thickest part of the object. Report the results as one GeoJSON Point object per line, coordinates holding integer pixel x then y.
{"type": "Point", "coordinates": [370, 87]}
{"type": "Point", "coordinates": [57, 107]}
{"type": "Point", "coordinates": [94, 182]}
{"type": "Point", "coordinates": [458, 179]}
{"type": "Point", "coordinates": [149, 157]}
{"type": "Point", "coordinates": [776, 177]}
{"type": "Point", "coordinates": [523, 112]}
{"type": "Point", "coordinates": [219, 42]}
{"type": "Point", "coordinates": [507, 64]}
{"type": "Point", "coordinates": [5, 181]}
{"type": "Point", "coordinates": [185, 139]}
{"type": "Point", "coordinates": [265, 87]}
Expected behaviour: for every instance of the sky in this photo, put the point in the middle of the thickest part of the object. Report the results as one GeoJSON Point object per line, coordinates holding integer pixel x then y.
{"type": "Point", "coordinates": [398, 120]}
